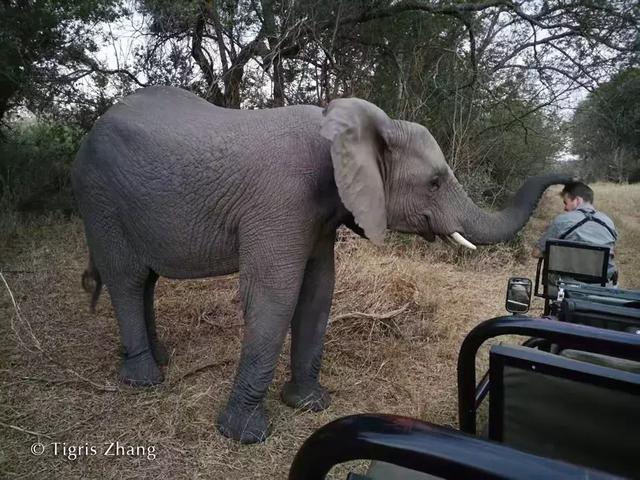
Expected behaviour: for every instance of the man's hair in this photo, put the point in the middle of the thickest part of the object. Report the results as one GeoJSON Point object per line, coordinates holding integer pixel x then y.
{"type": "Point", "coordinates": [578, 189]}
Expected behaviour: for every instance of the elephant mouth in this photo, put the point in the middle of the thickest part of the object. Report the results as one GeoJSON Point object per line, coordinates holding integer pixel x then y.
{"type": "Point", "coordinates": [427, 233]}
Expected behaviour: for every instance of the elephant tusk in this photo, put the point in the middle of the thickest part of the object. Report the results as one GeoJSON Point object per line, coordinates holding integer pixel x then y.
{"type": "Point", "coordinates": [456, 237]}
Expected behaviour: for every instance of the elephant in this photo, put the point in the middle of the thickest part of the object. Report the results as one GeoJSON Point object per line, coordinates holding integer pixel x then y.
{"type": "Point", "coordinates": [168, 184]}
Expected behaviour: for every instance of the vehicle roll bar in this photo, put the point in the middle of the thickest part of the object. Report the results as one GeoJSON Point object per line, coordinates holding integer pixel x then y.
{"type": "Point", "coordinates": [575, 336]}
{"type": "Point", "coordinates": [423, 447]}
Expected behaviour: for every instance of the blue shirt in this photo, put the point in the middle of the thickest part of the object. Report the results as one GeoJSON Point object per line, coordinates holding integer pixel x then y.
{"type": "Point", "coordinates": [589, 232]}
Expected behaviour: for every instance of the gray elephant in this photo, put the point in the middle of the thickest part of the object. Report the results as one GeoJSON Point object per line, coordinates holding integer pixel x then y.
{"type": "Point", "coordinates": [168, 184]}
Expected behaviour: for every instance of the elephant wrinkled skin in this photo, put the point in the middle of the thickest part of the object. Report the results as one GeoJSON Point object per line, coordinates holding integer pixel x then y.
{"type": "Point", "coordinates": [170, 185]}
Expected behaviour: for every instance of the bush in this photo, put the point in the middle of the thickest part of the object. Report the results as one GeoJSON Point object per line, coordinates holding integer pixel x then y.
{"type": "Point", "coordinates": [634, 176]}
{"type": "Point", "coordinates": [479, 185]}
{"type": "Point", "coordinates": [35, 160]}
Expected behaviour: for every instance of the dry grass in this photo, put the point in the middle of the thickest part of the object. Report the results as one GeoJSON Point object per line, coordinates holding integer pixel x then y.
{"type": "Point", "coordinates": [404, 364]}
{"type": "Point", "coordinates": [622, 203]}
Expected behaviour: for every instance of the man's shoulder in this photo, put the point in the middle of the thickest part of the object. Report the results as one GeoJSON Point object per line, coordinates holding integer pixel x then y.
{"type": "Point", "coordinates": [568, 217]}
{"type": "Point", "coordinates": [604, 217]}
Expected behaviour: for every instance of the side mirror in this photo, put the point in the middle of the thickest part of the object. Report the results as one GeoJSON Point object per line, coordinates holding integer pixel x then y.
{"type": "Point", "coordinates": [518, 295]}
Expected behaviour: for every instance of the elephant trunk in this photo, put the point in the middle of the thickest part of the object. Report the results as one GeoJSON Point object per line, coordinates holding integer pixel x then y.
{"type": "Point", "coordinates": [483, 228]}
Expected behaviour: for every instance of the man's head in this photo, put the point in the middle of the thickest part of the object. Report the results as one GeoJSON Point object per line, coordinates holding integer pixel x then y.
{"type": "Point", "coordinates": [575, 194]}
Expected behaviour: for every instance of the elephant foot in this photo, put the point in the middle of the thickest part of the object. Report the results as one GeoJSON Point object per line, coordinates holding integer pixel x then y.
{"type": "Point", "coordinates": [305, 396]}
{"type": "Point", "coordinates": [160, 353]}
{"type": "Point", "coordinates": [244, 426]}
{"type": "Point", "coordinates": [140, 371]}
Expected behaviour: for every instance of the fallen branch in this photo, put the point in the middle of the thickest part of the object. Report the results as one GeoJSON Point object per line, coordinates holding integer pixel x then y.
{"type": "Point", "coordinates": [203, 367]}
{"type": "Point", "coordinates": [98, 386]}
{"type": "Point", "coordinates": [373, 316]}
{"type": "Point", "coordinates": [32, 272]}
{"type": "Point", "coordinates": [39, 349]}
{"type": "Point", "coordinates": [77, 424]}
{"type": "Point", "coordinates": [48, 381]}
{"type": "Point", "coordinates": [24, 430]}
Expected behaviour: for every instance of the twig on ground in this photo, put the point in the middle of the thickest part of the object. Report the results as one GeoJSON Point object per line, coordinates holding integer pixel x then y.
{"type": "Point", "coordinates": [24, 430]}
{"type": "Point", "coordinates": [31, 272]}
{"type": "Point", "coordinates": [383, 318]}
{"type": "Point", "coordinates": [98, 386]}
{"type": "Point", "coordinates": [373, 316]}
{"type": "Point", "coordinates": [75, 425]}
{"type": "Point", "coordinates": [19, 317]}
{"type": "Point", "coordinates": [38, 346]}
{"type": "Point", "coordinates": [203, 367]}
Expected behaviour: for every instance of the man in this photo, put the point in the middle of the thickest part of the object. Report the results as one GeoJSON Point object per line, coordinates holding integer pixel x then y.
{"type": "Point", "coordinates": [581, 223]}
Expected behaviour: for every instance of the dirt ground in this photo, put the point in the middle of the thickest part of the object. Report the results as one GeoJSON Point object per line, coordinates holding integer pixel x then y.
{"type": "Point", "coordinates": [58, 362]}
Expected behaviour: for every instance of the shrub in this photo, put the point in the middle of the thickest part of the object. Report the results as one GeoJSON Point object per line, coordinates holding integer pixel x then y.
{"type": "Point", "coordinates": [480, 186]}
{"type": "Point", "coordinates": [35, 160]}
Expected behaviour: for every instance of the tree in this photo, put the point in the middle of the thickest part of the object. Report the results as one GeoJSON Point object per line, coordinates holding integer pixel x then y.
{"type": "Point", "coordinates": [606, 128]}
{"type": "Point", "coordinates": [486, 77]}
{"type": "Point", "coordinates": [44, 45]}
{"type": "Point", "coordinates": [562, 45]}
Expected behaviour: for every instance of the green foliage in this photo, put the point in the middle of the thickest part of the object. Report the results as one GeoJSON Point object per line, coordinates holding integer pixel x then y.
{"type": "Point", "coordinates": [492, 132]}
{"type": "Point", "coordinates": [35, 161]}
{"type": "Point", "coordinates": [516, 141]}
{"type": "Point", "coordinates": [41, 42]}
{"type": "Point", "coordinates": [475, 74]}
{"type": "Point", "coordinates": [606, 128]}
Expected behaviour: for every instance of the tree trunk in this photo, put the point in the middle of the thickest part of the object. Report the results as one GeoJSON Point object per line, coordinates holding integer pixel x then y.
{"type": "Point", "coordinates": [274, 52]}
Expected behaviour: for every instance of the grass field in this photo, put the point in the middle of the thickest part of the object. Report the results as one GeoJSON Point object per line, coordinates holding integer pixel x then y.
{"type": "Point", "coordinates": [58, 362]}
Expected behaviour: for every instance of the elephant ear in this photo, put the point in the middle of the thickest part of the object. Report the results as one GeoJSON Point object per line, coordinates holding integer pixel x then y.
{"type": "Point", "coordinates": [358, 131]}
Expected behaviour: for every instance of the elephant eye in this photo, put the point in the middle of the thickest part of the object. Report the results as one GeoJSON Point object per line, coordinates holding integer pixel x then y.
{"type": "Point", "coordinates": [434, 184]}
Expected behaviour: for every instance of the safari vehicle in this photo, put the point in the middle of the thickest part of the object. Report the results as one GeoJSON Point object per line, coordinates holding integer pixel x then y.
{"type": "Point", "coordinates": [571, 414]}
{"type": "Point", "coordinates": [565, 404]}
{"type": "Point", "coordinates": [577, 271]}
{"type": "Point", "coordinates": [571, 278]}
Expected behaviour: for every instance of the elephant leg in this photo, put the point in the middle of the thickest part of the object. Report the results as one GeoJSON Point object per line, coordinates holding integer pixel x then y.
{"type": "Point", "coordinates": [269, 294]}
{"type": "Point", "coordinates": [307, 332]}
{"type": "Point", "coordinates": [138, 367]}
{"type": "Point", "coordinates": [159, 351]}
{"type": "Point", "coordinates": [125, 277]}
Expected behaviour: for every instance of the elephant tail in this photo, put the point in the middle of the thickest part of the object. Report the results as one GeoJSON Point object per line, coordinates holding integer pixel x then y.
{"type": "Point", "coordinates": [92, 283]}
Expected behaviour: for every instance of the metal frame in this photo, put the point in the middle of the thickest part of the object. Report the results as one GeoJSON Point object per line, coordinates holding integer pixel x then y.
{"type": "Point", "coordinates": [555, 366]}
{"type": "Point", "coordinates": [604, 295]}
{"type": "Point", "coordinates": [422, 447]}
{"type": "Point", "coordinates": [482, 390]}
{"type": "Point", "coordinates": [585, 311]}
{"type": "Point", "coordinates": [579, 337]}
{"type": "Point", "coordinates": [543, 263]}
